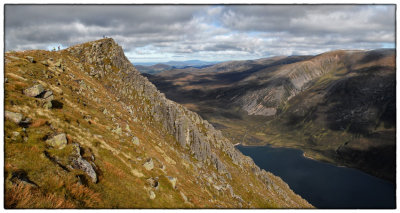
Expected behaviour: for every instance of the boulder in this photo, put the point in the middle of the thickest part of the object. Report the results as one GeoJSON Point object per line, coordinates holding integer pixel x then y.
{"type": "Point", "coordinates": [117, 130]}
{"type": "Point", "coordinates": [47, 105]}
{"type": "Point", "coordinates": [34, 91]}
{"type": "Point", "coordinates": [153, 182]}
{"type": "Point", "coordinates": [15, 135]}
{"type": "Point", "coordinates": [128, 129]}
{"type": "Point", "coordinates": [14, 117]}
{"type": "Point", "coordinates": [135, 141]}
{"type": "Point", "coordinates": [152, 195]}
{"type": "Point", "coordinates": [30, 59]}
{"type": "Point", "coordinates": [48, 95]}
{"type": "Point", "coordinates": [79, 163]}
{"type": "Point", "coordinates": [58, 141]}
{"type": "Point", "coordinates": [149, 165]}
{"type": "Point", "coordinates": [172, 180]}
{"type": "Point", "coordinates": [183, 196]}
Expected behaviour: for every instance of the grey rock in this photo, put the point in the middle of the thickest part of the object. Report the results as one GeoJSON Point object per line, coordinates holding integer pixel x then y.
{"type": "Point", "coordinates": [34, 91]}
{"type": "Point", "coordinates": [59, 141]}
{"type": "Point", "coordinates": [218, 164]}
{"type": "Point", "coordinates": [48, 95]}
{"type": "Point", "coordinates": [16, 136]}
{"type": "Point", "coordinates": [183, 196]}
{"type": "Point", "coordinates": [149, 164]}
{"type": "Point", "coordinates": [172, 180]}
{"type": "Point", "coordinates": [30, 59]}
{"type": "Point", "coordinates": [47, 105]}
{"type": "Point", "coordinates": [78, 162]}
{"type": "Point", "coordinates": [85, 166]}
{"type": "Point", "coordinates": [218, 187]}
{"type": "Point", "coordinates": [128, 129]}
{"type": "Point", "coordinates": [13, 116]}
{"type": "Point", "coordinates": [153, 182]}
{"type": "Point", "coordinates": [152, 195]}
{"type": "Point", "coordinates": [117, 130]}
{"type": "Point", "coordinates": [135, 141]}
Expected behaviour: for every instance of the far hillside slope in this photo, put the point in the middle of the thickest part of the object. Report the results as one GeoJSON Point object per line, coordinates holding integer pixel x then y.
{"type": "Point", "coordinates": [338, 106]}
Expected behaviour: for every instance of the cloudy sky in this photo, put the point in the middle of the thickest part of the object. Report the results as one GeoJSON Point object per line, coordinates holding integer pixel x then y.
{"type": "Point", "coordinates": [161, 33]}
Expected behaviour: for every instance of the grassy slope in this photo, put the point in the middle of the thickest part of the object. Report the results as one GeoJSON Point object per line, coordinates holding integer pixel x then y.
{"type": "Point", "coordinates": [122, 179]}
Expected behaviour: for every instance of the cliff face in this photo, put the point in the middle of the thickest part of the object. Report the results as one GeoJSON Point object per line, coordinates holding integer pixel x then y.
{"type": "Point", "coordinates": [103, 136]}
{"type": "Point", "coordinates": [279, 86]}
{"type": "Point", "coordinates": [351, 108]}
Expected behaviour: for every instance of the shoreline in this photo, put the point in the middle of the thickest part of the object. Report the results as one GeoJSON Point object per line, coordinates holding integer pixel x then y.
{"type": "Point", "coordinates": [308, 157]}
{"type": "Point", "coordinates": [304, 154]}
{"type": "Point", "coordinates": [311, 158]}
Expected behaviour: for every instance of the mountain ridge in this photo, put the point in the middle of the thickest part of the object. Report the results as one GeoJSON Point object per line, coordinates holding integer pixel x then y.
{"type": "Point", "coordinates": [121, 125]}
{"type": "Point", "coordinates": [315, 103]}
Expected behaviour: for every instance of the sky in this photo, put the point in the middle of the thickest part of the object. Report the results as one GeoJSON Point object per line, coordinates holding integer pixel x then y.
{"type": "Point", "coordinates": [160, 33]}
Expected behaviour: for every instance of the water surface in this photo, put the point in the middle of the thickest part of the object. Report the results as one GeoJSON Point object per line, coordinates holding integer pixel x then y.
{"type": "Point", "coordinates": [321, 184]}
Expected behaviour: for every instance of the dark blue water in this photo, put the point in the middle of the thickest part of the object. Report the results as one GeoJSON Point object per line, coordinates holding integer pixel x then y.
{"type": "Point", "coordinates": [322, 184]}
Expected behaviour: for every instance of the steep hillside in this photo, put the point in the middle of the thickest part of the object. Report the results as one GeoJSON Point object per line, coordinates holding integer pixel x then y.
{"type": "Point", "coordinates": [83, 129]}
{"type": "Point", "coordinates": [348, 115]}
{"type": "Point", "coordinates": [338, 106]}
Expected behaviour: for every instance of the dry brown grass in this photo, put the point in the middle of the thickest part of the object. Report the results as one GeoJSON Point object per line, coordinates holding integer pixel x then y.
{"type": "Point", "coordinates": [39, 122]}
{"type": "Point", "coordinates": [25, 196]}
{"type": "Point", "coordinates": [80, 192]}
{"type": "Point", "coordinates": [116, 171]}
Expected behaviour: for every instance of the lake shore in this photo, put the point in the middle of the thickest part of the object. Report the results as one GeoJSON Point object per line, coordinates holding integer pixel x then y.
{"type": "Point", "coordinates": [308, 157]}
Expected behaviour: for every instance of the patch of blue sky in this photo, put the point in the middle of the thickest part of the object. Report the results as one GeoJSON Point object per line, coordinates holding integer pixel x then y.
{"type": "Point", "coordinates": [388, 45]}
{"type": "Point", "coordinates": [55, 46]}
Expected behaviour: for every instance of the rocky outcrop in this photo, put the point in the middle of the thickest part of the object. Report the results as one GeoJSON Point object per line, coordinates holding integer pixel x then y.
{"type": "Point", "coordinates": [13, 116]}
{"type": "Point", "coordinates": [192, 133]}
{"type": "Point", "coordinates": [149, 164]}
{"type": "Point", "coordinates": [78, 162]}
{"type": "Point", "coordinates": [17, 118]}
{"type": "Point", "coordinates": [34, 91]}
{"type": "Point", "coordinates": [58, 141]}
{"type": "Point", "coordinates": [287, 82]}
{"type": "Point", "coordinates": [189, 129]}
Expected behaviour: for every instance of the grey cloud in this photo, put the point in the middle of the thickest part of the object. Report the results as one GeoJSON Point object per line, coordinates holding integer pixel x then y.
{"type": "Point", "coordinates": [307, 20]}
{"type": "Point", "coordinates": [228, 32]}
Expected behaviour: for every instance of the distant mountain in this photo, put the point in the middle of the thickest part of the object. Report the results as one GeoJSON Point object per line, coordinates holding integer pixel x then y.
{"type": "Point", "coordinates": [190, 63]}
{"type": "Point", "coordinates": [154, 68]}
{"type": "Point", "coordinates": [338, 106]}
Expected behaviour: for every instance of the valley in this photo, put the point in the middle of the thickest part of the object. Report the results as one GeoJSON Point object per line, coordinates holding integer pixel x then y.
{"type": "Point", "coordinates": [338, 107]}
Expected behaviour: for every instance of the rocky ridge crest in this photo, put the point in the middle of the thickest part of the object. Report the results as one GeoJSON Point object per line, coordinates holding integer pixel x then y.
{"type": "Point", "coordinates": [111, 96]}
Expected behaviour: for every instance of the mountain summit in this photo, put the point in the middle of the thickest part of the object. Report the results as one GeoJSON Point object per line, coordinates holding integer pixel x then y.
{"type": "Point", "coordinates": [84, 129]}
